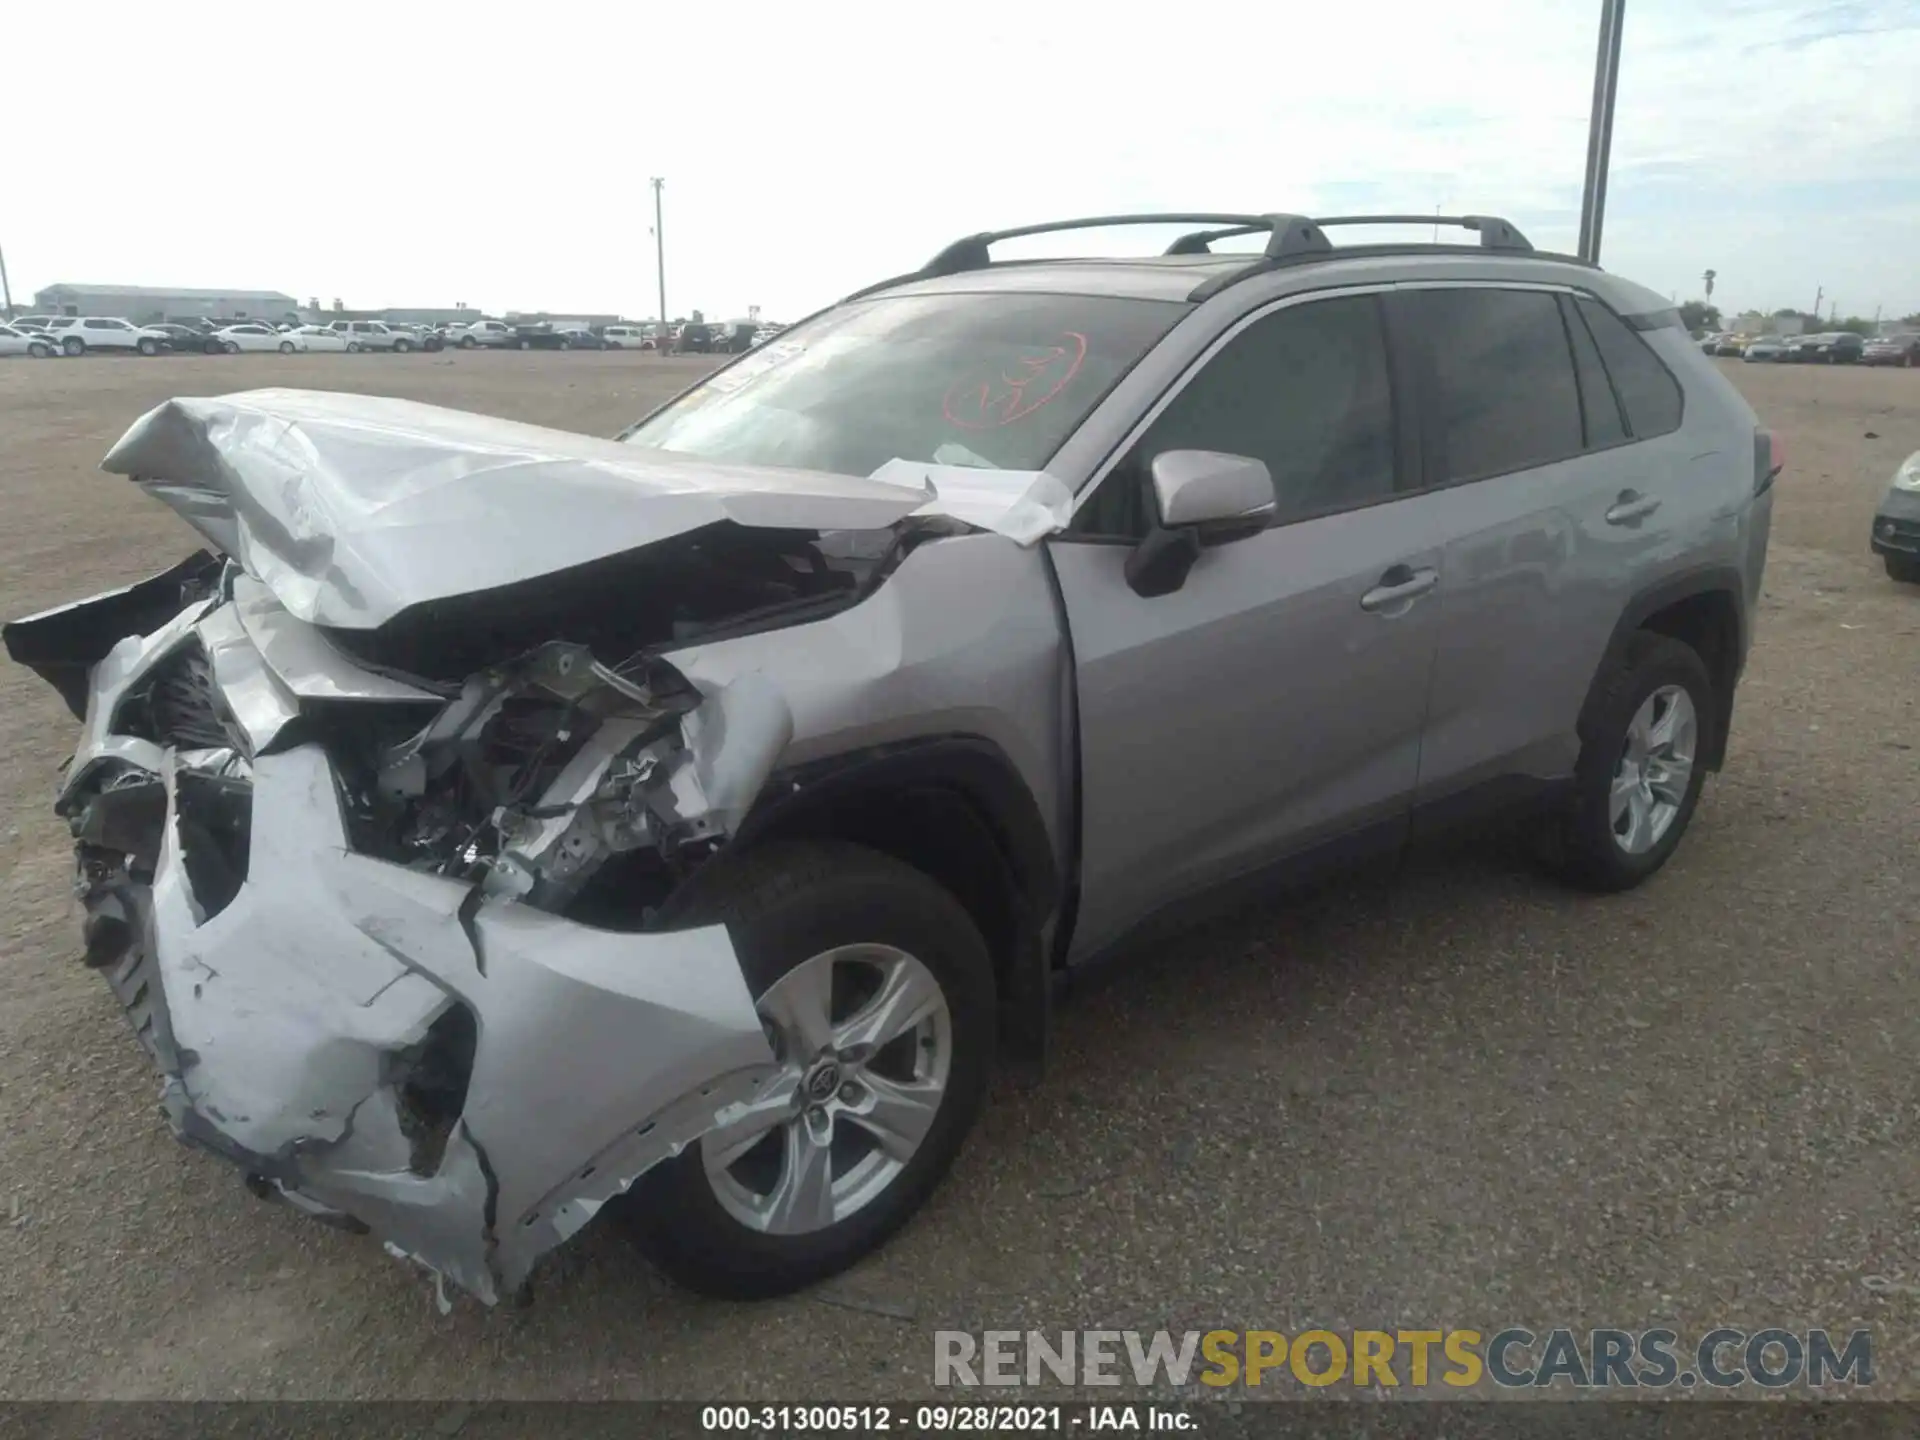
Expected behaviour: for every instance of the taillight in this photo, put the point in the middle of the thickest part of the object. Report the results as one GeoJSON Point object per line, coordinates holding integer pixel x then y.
{"type": "Point", "coordinates": [1768, 458]}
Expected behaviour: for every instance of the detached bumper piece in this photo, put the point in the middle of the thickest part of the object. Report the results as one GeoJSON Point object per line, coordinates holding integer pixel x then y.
{"type": "Point", "coordinates": [467, 1076]}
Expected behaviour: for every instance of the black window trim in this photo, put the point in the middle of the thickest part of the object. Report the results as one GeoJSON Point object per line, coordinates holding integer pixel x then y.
{"type": "Point", "coordinates": [1570, 316]}
{"type": "Point", "coordinates": [1407, 453]}
{"type": "Point", "coordinates": [1654, 321]}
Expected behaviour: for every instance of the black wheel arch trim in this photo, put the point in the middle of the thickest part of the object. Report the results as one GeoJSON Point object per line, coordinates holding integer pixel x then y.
{"type": "Point", "coordinates": [983, 776]}
{"type": "Point", "coordinates": [1690, 585]}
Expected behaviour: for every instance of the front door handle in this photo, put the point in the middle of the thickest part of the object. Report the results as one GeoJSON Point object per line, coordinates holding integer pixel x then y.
{"type": "Point", "coordinates": [1400, 583]}
{"type": "Point", "coordinates": [1631, 508]}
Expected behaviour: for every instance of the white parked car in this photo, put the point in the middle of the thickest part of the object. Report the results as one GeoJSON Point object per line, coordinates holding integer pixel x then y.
{"type": "Point", "coordinates": [495, 333]}
{"type": "Point", "coordinates": [25, 342]}
{"type": "Point", "coordinates": [318, 337]}
{"type": "Point", "coordinates": [253, 337]}
{"type": "Point", "coordinates": [373, 335]}
{"type": "Point", "coordinates": [78, 334]}
{"type": "Point", "coordinates": [627, 337]}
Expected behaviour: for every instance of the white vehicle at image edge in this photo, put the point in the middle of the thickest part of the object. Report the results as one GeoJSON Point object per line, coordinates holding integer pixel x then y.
{"type": "Point", "coordinates": [317, 337]}
{"type": "Point", "coordinates": [251, 338]}
{"type": "Point", "coordinates": [25, 342]}
{"type": "Point", "coordinates": [78, 334]}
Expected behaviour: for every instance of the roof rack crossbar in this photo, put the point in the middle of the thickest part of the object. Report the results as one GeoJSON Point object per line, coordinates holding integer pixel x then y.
{"type": "Point", "coordinates": [1495, 233]}
{"type": "Point", "coordinates": [970, 251]}
{"type": "Point", "coordinates": [1289, 238]}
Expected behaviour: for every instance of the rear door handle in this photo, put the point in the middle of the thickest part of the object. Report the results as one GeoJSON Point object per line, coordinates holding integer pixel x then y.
{"type": "Point", "coordinates": [1400, 583]}
{"type": "Point", "coordinates": [1631, 508]}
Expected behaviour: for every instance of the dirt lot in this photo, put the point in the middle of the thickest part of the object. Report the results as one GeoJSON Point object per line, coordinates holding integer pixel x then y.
{"type": "Point", "coordinates": [1458, 1097]}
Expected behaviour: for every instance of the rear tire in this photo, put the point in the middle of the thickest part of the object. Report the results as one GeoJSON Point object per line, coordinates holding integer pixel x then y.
{"type": "Point", "coordinates": [401, 347]}
{"type": "Point", "coordinates": [73, 345]}
{"type": "Point", "coordinates": [467, 342]}
{"type": "Point", "coordinates": [1903, 568]}
{"type": "Point", "coordinates": [787, 907]}
{"type": "Point", "coordinates": [1595, 841]}
{"type": "Point", "coordinates": [286, 347]}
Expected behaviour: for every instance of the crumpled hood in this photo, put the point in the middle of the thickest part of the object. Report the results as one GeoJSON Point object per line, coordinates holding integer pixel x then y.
{"type": "Point", "coordinates": [352, 508]}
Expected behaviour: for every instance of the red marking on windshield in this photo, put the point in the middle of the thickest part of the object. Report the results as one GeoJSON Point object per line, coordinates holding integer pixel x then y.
{"type": "Point", "coordinates": [986, 401]}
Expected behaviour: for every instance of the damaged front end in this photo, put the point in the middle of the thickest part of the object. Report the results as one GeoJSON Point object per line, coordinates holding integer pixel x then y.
{"type": "Point", "coordinates": [377, 801]}
{"type": "Point", "coordinates": [384, 936]}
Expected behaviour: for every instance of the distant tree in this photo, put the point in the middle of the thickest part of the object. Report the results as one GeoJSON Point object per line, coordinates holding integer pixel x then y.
{"type": "Point", "coordinates": [1700, 315]}
{"type": "Point", "coordinates": [1792, 314]}
{"type": "Point", "coordinates": [1858, 324]}
{"type": "Point", "coordinates": [1913, 319]}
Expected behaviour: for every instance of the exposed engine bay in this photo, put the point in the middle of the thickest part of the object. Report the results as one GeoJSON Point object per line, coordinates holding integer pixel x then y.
{"type": "Point", "coordinates": [376, 800]}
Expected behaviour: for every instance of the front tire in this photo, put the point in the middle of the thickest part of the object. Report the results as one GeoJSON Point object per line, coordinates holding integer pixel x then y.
{"type": "Point", "coordinates": [1644, 737]}
{"type": "Point", "coordinates": [876, 989]}
{"type": "Point", "coordinates": [40, 350]}
{"type": "Point", "coordinates": [73, 345]}
{"type": "Point", "coordinates": [353, 347]}
{"type": "Point", "coordinates": [149, 347]}
{"type": "Point", "coordinates": [286, 347]}
{"type": "Point", "coordinates": [401, 347]}
{"type": "Point", "coordinates": [467, 342]}
{"type": "Point", "coordinates": [1903, 568]}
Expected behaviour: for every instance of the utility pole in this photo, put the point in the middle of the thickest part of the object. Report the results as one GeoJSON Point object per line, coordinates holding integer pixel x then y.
{"type": "Point", "coordinates": [1606, 85]}
{"type": "Point", "coordinates": [6, 290]}
{"type": "Point", "coordinates": [1818, 295]}
{"type": "Point", "coordinates": [1708, 278]}
{"type": "Point", "coordinates": [660, 246]}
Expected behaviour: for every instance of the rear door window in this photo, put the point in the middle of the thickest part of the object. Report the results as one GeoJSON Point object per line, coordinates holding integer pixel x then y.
{"type": "Point", "coordinates": [1505, 397]}
{"type": "Point", "coordinates": [1648, 392]}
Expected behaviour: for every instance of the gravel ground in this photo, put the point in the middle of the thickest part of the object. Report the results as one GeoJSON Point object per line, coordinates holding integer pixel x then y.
{"type": "Point", "coordinates": [1452, 1096]}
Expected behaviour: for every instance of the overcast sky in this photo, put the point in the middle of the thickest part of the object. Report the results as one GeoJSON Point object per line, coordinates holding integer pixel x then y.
{"type": "Point", "coordinates": [498, 153]}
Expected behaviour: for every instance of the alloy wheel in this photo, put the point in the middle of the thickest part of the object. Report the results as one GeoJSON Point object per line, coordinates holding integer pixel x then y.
{"type": "Point", "coordinates": [1655, 768]}
{"type": "Point", "coordinates": [864, 1040]}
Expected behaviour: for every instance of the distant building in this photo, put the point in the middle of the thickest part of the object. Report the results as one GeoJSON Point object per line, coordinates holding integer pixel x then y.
{"type": "Point", "coordinates": [445, 315]}
{"type": "Point", "coordinates": [560, 322]}
{"type": "Point", "coordinates": [145, 304]}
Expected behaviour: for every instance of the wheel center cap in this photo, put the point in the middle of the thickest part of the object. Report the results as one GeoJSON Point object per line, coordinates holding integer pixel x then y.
{"type": "Point", "coordinates": [823, 1081]}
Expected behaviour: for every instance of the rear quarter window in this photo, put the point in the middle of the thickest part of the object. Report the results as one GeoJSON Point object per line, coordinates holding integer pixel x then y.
{"type": "Point", "coordinates": [1649, 395]}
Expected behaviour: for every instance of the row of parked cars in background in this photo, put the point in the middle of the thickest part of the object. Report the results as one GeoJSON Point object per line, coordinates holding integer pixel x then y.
{"type": "Point", "coordinates": [1840, 347]}
{"type": "Point", "coordinates": [45, 336]}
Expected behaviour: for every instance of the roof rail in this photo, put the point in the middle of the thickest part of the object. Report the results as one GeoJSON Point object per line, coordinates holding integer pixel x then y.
{"type": "Point", "coordinates": [1291, 233]}
{"type": "Point", "coordinates": [1290, 238]}
{"type": "Point", "coordinates": [1495, 233]}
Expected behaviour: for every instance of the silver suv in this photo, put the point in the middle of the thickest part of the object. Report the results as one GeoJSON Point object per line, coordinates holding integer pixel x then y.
{"type": "Point", "coordinates": [497, 825]}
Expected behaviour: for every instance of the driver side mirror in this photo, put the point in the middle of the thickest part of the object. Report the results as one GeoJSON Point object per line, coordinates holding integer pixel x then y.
{"type": "Point", "coordinates": [1201, 498]}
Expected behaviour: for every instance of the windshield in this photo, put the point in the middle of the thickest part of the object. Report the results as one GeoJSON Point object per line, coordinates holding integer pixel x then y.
{"type": "Point", "coordinates": [994, 381]}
